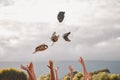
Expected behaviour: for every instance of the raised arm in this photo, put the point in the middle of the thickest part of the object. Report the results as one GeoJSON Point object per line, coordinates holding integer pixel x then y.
{"type": "Point", "coordinates": [30, 70]}
{"type": "Point", "coordinates": [56, 72]}
{"type": "Point", "coordinates": [50, 66]}
{"type": "Point", "coordinates": [71, 72]}
{"type": "Point", "coordinates": [87, 76]}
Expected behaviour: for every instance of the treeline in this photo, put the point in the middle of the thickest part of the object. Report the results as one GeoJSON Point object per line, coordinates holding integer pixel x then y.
{"type": "Point", "coordinates": [79, 76]}
{"type": "Point", "coordinates": [16, 74]}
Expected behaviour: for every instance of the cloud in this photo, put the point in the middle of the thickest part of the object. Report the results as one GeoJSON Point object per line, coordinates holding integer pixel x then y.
{"type": "Point", "coordinates": [4, 3]}
{"type": "Point", "coordinates": [24, 37]}
{"type": "Point", "coordinates": [94, 30]}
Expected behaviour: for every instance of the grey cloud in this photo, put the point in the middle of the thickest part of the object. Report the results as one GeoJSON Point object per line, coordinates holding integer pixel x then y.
{"type": "Point", "coordinates": [104, 35]}
{"type": "Point", "coordinates": [102, 26]}
{"type": "Point", "coordinates": [6, 2]}
{"type": "Point", "coordinates": [98, 30]}
{"type": "Point", "coordinates": [6, 41]}
{"type": "Point", "coordinates": [28, 36]}
{"type": "Point", "coordinates": [81, 40]}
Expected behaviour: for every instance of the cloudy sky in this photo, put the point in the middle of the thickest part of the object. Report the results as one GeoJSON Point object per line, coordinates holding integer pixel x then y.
{"type": "Point", "coordinates": [94, 27]}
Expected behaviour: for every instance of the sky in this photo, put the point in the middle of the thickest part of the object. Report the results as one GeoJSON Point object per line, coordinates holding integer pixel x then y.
{"type": "Point", "coordinates": [94, 27]}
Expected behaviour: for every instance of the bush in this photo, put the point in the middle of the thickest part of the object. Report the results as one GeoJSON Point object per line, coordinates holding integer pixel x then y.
{"type": "Point", "coordinates": [67, 77]}
{"type": "Point", "coordinates": [78, 76]}
{"type": "Point", "coordinates": [114, 77]}
{"type": "Point", "coordinates": [44, 77]}
{"type": "Point", "coordinates": [101, 76]}
{"type": "Point", "coordinates": [12, 74]}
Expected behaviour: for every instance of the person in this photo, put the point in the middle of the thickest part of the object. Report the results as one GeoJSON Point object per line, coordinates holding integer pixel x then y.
{"type": "Point", "coordinates": [30, 70]}
{"type": "Point", "coordinates": [71, 72]}
{"type": "Point", "coordinates": [87, 76]}
{"type": "Point", "coordinates": [56, 72]}
{"type": "Point", "coordinates": [50, 66]}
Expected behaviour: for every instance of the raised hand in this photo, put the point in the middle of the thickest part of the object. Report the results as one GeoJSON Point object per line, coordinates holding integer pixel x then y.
{"type": "Point", "coordinates": [71, 72]}
{"type": "Point", "coordinates": [30, 70]}
{"type": "Point", "coordinates": [87, 76]}
{"type": "Point", "coordinates": [56, 72]}
{"type": "Point", "coordinates": [24, 67]}
{"type": "Point", "coordinates": [50, 66]}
